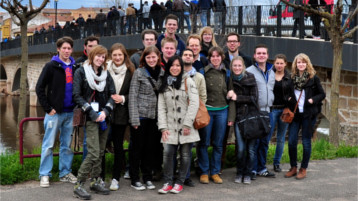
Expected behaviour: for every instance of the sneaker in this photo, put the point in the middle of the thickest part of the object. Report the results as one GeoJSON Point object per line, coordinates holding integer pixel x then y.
{"type": "Point", "coordinates": [247, 180]}
{"type": "Point", "coordinates": [189, 182]}
{"type": "Point", "coordinates": [253, 176]}
{"type": "Point", "coordinates": [80, 192]}
{"type": "Point", "coordinates": [267, 174]}
{"type": "Point", "coordinates": [97, 185]}
{"type": "Point", "coordinates": [69, 178]}
{"type": "Point", "coordinates": [177, 189]}
{"type": "Point", "coordinates": [149, 185]}
{"type": "Point", "coordinates": [277, 168]}
{"type": "Point", "coordinates": [165, 189]}
{"type": "Point", "coordinates": [138, 186]}
{"type": "Point", "coordinates": [238, 179]}
{"type": "Point", "coordinates": [114, 185]}
{"type": "Point", "coordinates": [45, 181]}
{"type": "Point", "coordinates": [126, 175]}
{"type": "Point", "coordinates": [216, 178]}
{"type": "Point", "coordinates": [204, 179]}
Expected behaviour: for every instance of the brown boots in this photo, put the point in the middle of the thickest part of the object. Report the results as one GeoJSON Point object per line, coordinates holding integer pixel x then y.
{"type": "Point", "coordinates": [293, 171]}
{"type": "Point", "coordinates": [301, 173]}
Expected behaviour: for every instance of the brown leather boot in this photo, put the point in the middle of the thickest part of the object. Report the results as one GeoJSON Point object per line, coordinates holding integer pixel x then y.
{"type": "Point", "coordinates": [301, 174]}
{"type": "Point", "coordinates": [291, 173]}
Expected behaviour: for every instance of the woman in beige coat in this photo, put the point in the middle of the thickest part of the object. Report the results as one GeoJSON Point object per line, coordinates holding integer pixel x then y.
{"type": "Point", "coordinates": [175, 121]}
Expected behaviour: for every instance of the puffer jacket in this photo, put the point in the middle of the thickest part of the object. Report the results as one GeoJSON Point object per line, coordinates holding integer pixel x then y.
{"type": "Point", "coordinates": [174, 112]}
{"type": "Point", "coordinates": [264, 85]}
{"type": "Point", "coordinates": [82, 94]}
{"type": "Point", "coordinates": [143, 100]}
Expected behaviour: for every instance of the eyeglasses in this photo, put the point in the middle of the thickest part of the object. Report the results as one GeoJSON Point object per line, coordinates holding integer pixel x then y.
{"type": "Point", "coordinates": [232, 41]}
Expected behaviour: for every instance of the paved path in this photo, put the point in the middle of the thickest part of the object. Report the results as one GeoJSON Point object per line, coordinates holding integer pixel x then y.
{"type": "Point", "coordinates": [328, 180]}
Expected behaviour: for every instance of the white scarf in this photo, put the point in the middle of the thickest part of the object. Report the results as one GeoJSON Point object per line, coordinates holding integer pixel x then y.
{"type": "Point", "coordinates": [118, 74]}
{"type": "Point", "coordinates": [92, 77]}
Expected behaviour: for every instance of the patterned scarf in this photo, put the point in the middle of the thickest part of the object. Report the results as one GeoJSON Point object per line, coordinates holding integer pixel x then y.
{"type": "Point", "coordinates": [300, 81]}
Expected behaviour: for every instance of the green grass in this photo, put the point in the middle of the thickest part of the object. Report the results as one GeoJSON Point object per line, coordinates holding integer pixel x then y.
{"type": "Point", "coordinates": [12, 172]}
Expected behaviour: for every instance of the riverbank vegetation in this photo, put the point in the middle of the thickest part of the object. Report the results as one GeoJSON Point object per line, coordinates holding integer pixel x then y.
{"type": "Point", "coordinates": [12, 172]}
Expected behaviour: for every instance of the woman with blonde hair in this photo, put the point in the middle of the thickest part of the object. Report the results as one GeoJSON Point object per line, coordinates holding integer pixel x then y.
{"type": "Point", "coordinates": [307, 93]}
{"type": "Point", "coordinates": [92, 90]}
{"type": "Point", "coordinates": [121, 69]}
{"type": "Point", "coordinates": [207, 40]}
{"type": "Point", "coordinates": [243, 89]}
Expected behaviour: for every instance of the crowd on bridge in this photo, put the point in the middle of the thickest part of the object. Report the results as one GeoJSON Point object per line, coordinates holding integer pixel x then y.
{"type": "Point", "coordinates": [158, 92]}
{"type": "Point", "coordinates": [119, 21]}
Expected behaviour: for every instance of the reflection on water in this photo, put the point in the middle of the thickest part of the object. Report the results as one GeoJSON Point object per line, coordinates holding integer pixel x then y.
{"type": "Point", "coordinates": [33, 131]}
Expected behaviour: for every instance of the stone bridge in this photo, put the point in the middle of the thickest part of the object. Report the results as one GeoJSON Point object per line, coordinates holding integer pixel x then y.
{"type": "Point", "coordinates": [319, 51]}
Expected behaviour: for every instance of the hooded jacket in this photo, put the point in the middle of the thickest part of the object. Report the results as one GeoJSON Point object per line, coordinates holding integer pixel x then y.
{"type": "Point", "coordinates": [51, 88]}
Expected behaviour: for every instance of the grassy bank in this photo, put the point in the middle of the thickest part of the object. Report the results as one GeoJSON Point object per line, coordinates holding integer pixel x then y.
{"type": "Point", "coordinates": [12, 172]}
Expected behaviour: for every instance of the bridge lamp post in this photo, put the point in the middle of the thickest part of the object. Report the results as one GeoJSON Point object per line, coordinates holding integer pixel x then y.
{"type": "Point", "coordinates": [56, 1]}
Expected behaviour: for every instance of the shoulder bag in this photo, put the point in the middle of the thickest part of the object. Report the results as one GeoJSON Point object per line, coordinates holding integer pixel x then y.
{"type": "Point", "coordinates": [287, 116]}
{"type": "Point", "coordinates": [255, 124]}
{"type": "Point", "coordinates": [202, 117]}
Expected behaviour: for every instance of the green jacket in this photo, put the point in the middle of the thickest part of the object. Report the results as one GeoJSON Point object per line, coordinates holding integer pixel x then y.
{"type": "Point", "coordinates": [215, 86]}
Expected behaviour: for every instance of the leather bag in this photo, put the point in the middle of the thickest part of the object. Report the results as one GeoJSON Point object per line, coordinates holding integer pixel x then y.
{"type": "Point", "coordinates": [287, 115]}
{"type": "Point", "coordinates": [255, 124]}
{"type": "Point", "coordinates": [202, 117]}
{"type": "Point", "coordinates": [79, 117]}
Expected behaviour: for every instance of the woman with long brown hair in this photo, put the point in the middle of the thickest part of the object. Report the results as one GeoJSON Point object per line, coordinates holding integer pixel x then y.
{"type": "Point", "coordinates": [121, 69]}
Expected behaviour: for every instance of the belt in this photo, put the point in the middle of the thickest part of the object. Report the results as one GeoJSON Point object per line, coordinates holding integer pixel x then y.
{"type": "Point", "coordinates": [277, 107]}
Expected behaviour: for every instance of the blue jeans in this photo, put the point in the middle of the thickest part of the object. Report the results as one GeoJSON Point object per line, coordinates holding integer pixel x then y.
{"type": "Point", "coordinates": [187, 20]}
{"type": "Point", "coordinates": [204, 17]}
{"type": "Point", "coordinates": [58, 122]}
{"type": "Point", "coordinates": [261, 148]}
{"type": "Point", "coordinates": [215, 133]}
{"type": "Point", "coordinates": [244, 164]}
{"type": "Point", "coordinates": [281, 132]}
{"type": "Point", "coordinates": [306, 125]}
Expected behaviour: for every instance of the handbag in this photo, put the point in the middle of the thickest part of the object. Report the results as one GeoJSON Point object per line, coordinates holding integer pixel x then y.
{"type": "Point", "coordinates": [287, 116]}
{"type": "Point", "coordinates": [255, 124]}
{"type": "Point", "coordinates": [79, 117]}
{"type": "Point", "coordinates": [202, 117]}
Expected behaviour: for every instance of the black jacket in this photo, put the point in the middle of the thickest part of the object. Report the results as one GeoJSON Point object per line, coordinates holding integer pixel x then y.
{"type": "Point", "coordinates": [82, 93]}
{"type": "Point", "coordinates": [81, 60]}
{"type": "Point", "coordinates": [286, 86]}
{"type": "Point", "coordinates": [247, 59]}
{"type": "Point", "coordinates": [313, 89]}
{"type": "Point", "coordinates": [246, 90]}
{"type": "Point", "coordinates": [50, 87]}
{"type": "Point", "coordinates": [120, 113]}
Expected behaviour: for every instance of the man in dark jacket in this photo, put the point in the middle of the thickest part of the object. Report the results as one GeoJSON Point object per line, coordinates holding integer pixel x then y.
{"type": "Point", "coordinates": [156, 15]}
{"type": "Point", "coordinates": [90, 43]}
{"type": "Point", "coordinates": [219, 9]}
{"type": "Point", "coordinates": [54, 92]}
{"type": "Point", "coordinates": [101, 20]}
{"type": "Point", "coordinates": [296, 16]}
{"type": "Point", "coordinates": [204, 7]}
{"type": "Point", "coordinates": [233, 45]}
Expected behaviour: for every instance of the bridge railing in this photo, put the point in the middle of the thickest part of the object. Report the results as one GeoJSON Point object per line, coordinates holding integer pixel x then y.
{"type": "Point", "coordinates": [246, 20]}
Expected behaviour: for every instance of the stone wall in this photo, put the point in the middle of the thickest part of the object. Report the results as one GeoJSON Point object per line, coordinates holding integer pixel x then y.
{"type": "Point", "coordinates": [348, 102]}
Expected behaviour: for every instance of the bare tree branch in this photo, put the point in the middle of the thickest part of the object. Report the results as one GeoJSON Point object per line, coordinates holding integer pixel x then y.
{"type": "Point", "coordinates": [350, 33]}
{"type": "Point", "coordinates": [351, 15]}
{"type": "Point", "coordinates": [309, 9]}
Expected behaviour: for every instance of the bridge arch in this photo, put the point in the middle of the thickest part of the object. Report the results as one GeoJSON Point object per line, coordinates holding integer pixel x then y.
{"type": "Point", "coordinates": [3, 75]}
{"type": "Point", "coordinates": [17, 79]}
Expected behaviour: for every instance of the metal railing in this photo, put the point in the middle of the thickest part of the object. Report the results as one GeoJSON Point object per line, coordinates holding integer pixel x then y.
{"type": "Point", "coordinates": [245, 20]}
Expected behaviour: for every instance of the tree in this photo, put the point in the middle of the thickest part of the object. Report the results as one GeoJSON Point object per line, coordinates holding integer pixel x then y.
{"type": "Point", "coordinates": [337, 34]}
{"type": "Point", "coordinates": [21, 15]}
{"type": "Point", "coordinates": [116, 3]}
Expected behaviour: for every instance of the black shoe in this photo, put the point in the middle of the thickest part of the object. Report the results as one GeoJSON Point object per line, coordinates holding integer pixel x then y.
{"type": "Point", "coordinates": [98, 187]}
{"type": "Point", "coordinates": [253, 176]}
{"type": "Point", "coordinates": [267, 174]}
{"type": "Point", "coordinates": [80, 192]}
{"type": "Point", "coordinates": [277, 168]}
{"type": "Point", "coordinates": [189, 182]}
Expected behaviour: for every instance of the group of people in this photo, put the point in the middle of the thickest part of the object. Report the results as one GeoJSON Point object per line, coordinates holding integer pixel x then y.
{"type": "Point", "coordinates": [157, 92]}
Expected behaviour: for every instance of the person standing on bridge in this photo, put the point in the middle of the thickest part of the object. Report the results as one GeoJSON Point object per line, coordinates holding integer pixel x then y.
{"type": "Point", "coordinates": [306, 89]}
{"type": "Point", "coordinates": [54, 91]}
